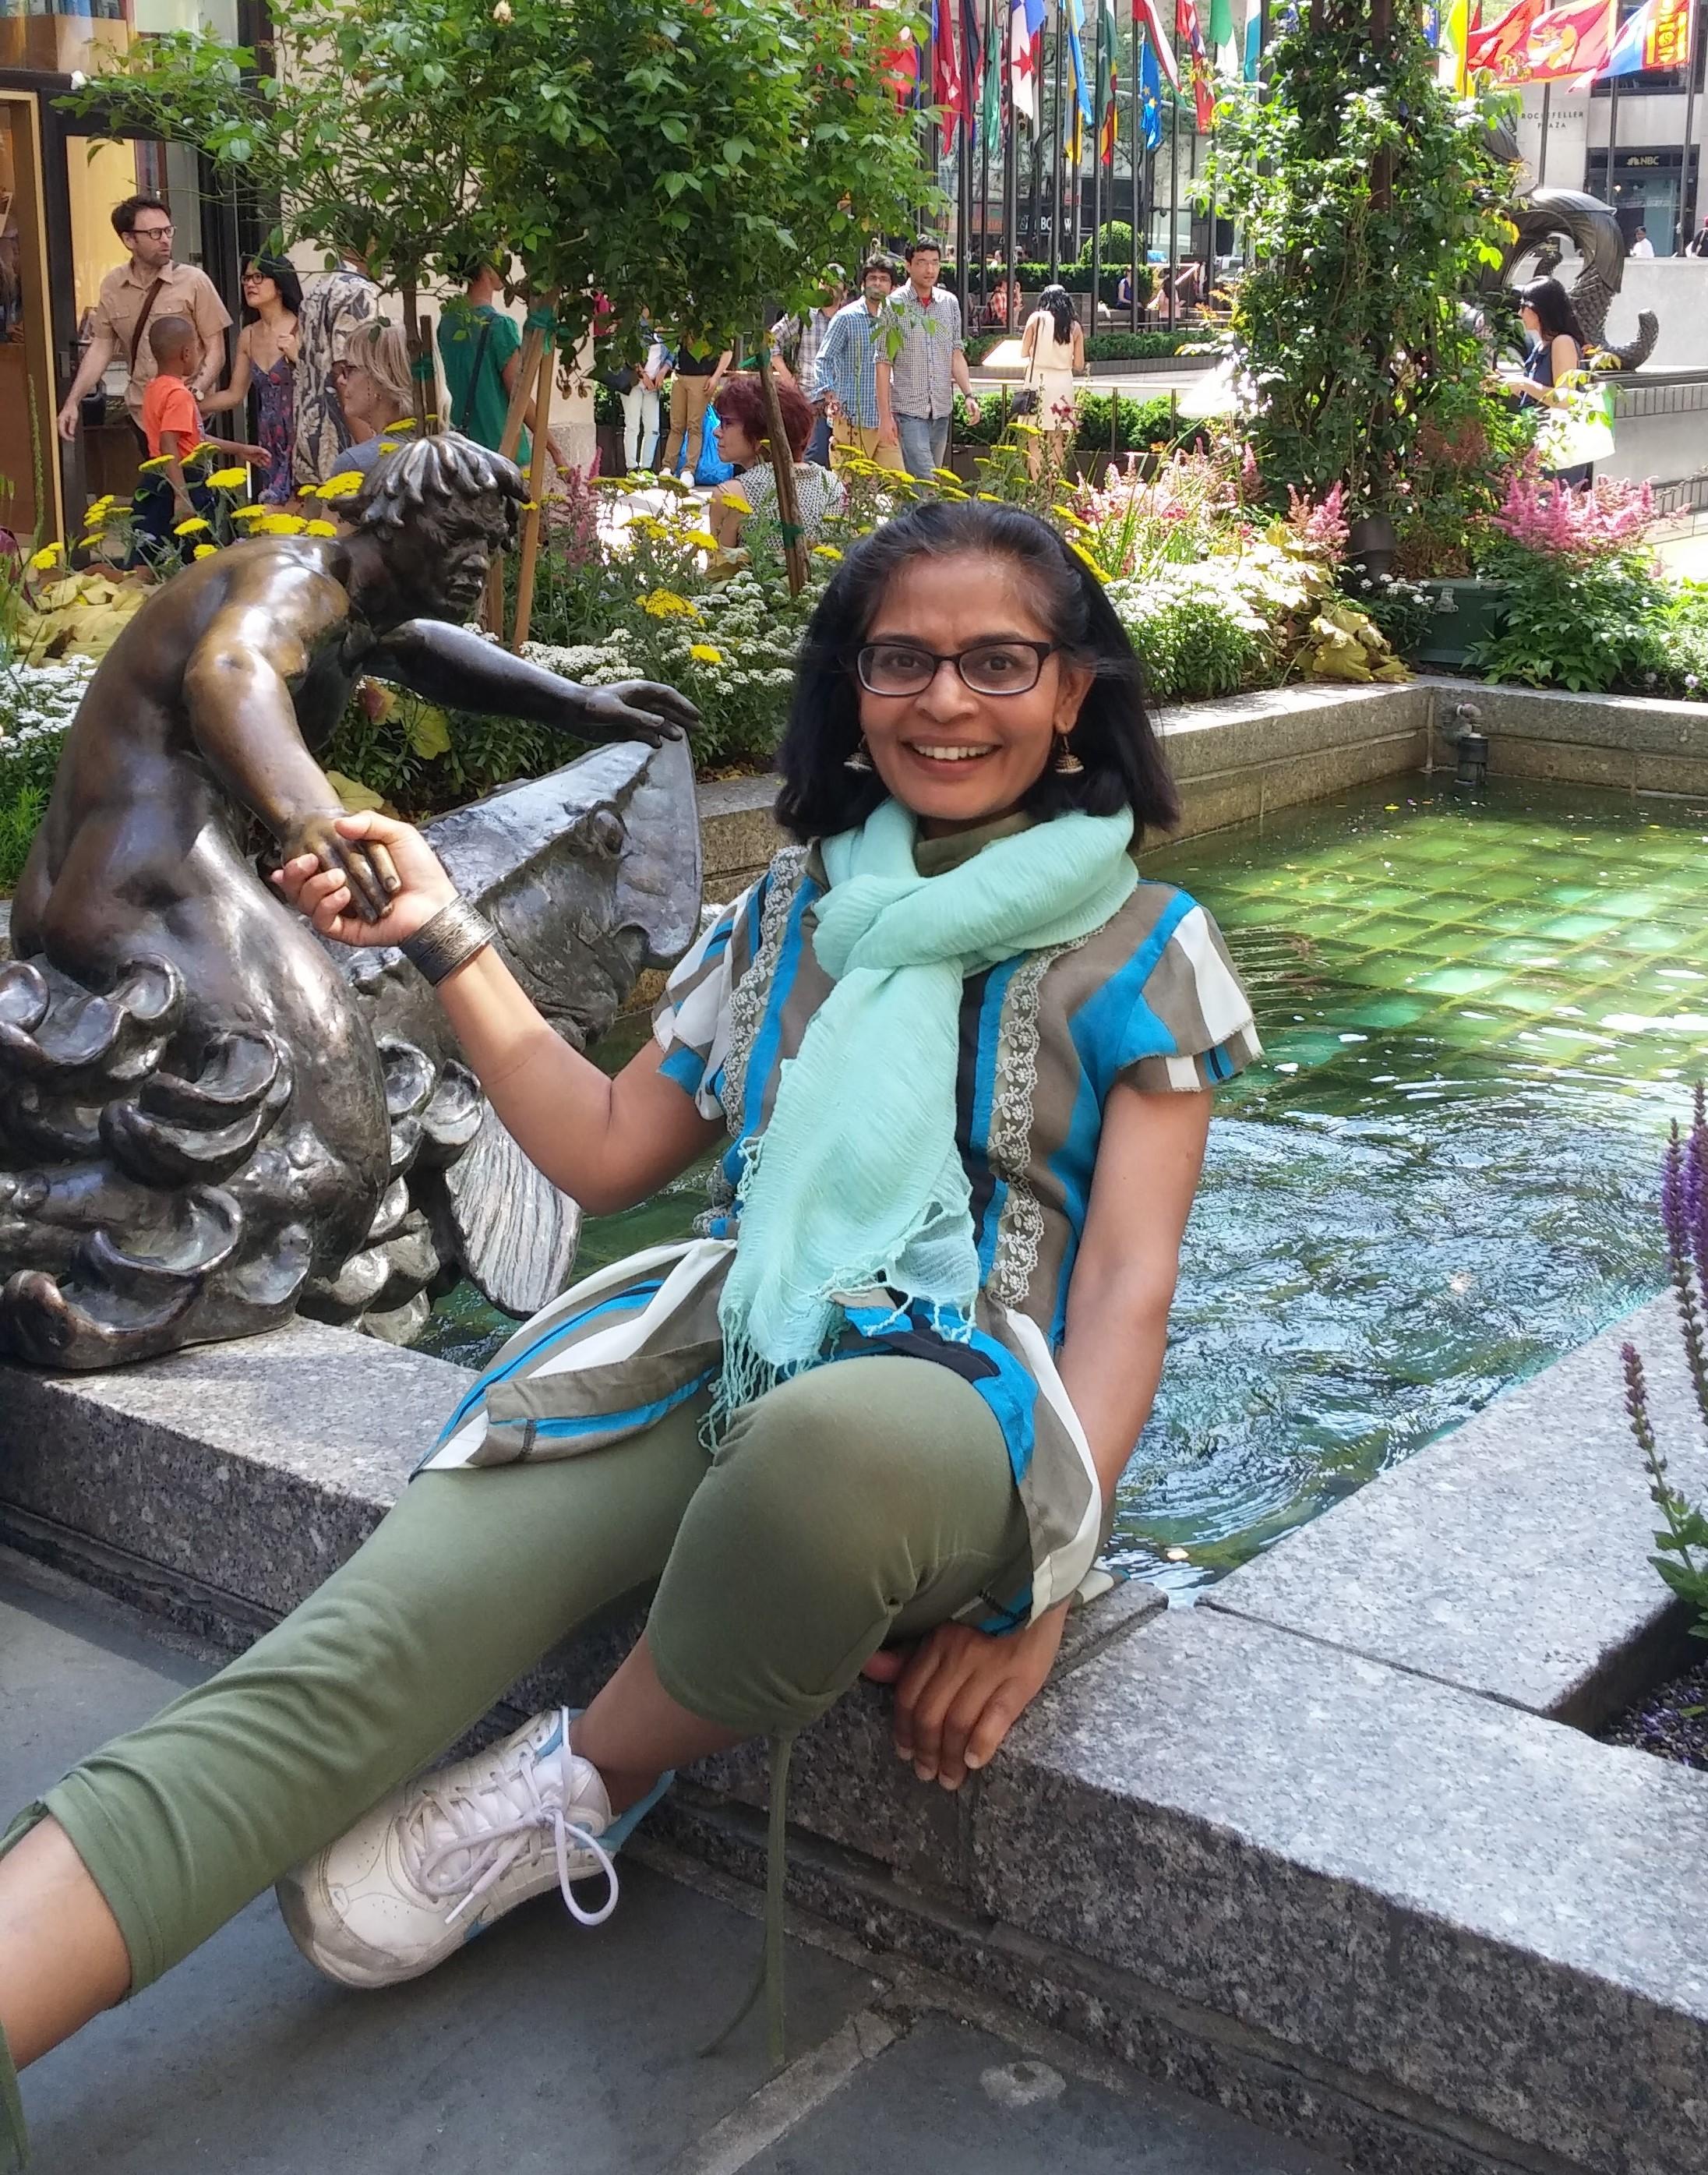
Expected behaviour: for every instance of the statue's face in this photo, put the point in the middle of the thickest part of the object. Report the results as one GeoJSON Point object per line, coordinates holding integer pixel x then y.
{"type": "Point", "coordinates": [442, 562]}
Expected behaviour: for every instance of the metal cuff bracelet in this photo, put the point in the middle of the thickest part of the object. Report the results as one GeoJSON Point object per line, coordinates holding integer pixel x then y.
{"type": "Point", "coordinates": [453, 937]}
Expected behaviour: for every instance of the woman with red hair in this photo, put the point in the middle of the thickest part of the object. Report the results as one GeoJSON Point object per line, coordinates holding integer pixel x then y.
{"type": "Point", "coordinates": [744, 439]}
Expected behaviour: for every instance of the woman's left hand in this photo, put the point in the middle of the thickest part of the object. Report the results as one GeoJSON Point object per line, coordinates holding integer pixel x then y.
{"type": "Point", "coordinates": [960, 1692]}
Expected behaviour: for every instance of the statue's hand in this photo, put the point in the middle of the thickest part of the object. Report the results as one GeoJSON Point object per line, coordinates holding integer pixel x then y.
{"type": "Point", "coordinates": [635, 710]}
{"type": "Point", "coordinates": [320, 878]}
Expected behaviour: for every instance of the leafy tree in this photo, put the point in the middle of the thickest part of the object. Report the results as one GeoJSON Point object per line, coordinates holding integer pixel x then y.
{"type": "Point", "coordinates": [690, 156]}
{"type": "Point", "coordinates": [1370, 196]}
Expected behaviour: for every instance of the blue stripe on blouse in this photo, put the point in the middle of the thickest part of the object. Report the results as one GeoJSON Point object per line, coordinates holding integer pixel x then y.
{"type": "Point", "coordinates": [623, 1302]}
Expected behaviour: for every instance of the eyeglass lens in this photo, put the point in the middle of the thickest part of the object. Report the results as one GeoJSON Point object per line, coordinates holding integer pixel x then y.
{"type": "Point", "coordinates": [991, 668]}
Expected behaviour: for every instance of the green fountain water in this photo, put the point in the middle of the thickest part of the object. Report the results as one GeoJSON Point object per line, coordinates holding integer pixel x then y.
{"type": "Point", "coordinates": [1478, 1017]}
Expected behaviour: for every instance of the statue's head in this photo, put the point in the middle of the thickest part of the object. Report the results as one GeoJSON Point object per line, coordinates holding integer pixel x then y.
{"type": "Point", "coordinates": [439, 507]}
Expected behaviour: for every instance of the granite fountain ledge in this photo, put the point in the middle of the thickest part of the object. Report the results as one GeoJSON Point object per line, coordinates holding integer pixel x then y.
{"type": "Point", "coordinates": [1319, 1849]}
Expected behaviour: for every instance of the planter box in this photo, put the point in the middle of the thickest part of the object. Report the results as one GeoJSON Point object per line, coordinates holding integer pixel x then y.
{"type": "Point", "coordinates": [1466, 612]}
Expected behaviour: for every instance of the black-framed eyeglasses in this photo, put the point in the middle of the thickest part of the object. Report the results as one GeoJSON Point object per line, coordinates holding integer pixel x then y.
{"type": "Point", "coordinates": [151, 233]}
{"type": "Point", "coordinates": [988, 668]}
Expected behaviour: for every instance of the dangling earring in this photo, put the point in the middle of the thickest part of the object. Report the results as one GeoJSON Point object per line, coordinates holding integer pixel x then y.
{"type": "Point", "coordinates": [1067, 764]}
{"type": "Point", "coordinates": [860, 760]}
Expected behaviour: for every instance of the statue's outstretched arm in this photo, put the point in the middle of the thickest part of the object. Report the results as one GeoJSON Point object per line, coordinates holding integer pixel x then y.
{"type": "Point", "coordinates": [237, 693]}
{"type": "Point", "coordinates": [454, 666]}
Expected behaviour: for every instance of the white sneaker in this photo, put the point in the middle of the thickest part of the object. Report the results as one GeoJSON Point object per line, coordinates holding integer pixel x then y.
{"type": "Point", "coordinates": [441, 1858]}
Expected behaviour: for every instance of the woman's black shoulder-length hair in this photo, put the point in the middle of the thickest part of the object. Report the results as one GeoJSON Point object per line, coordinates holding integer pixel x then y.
{"type": "Point", "coordinates": [1113, 737]}
{"type": "Point", "coordinates": [1555, 311]}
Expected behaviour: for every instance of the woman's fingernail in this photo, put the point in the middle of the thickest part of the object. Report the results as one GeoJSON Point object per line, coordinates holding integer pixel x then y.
{"type": "Point", "coordinates": [924, 1773]}
{"type": "Point", "coordinates": [975, 1759]}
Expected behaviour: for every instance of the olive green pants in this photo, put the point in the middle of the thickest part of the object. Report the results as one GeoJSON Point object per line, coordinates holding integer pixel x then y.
{"type": "Point", "coordinates": [865, 1500]}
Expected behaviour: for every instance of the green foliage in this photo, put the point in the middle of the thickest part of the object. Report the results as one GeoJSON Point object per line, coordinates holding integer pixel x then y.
{"type": "Point", "coordinates": [683, 156]}
{"type": "Point", "coordinates": [21, 808]}
{"type": "Point", "coordinates": [1404, 610]}
{"type": "Point", "coordinates": [1113, 242]}
{"type": "Point", "coordinates": [1140, 426]}
{"type": "Point", "coordinates": [1587, 626]}
{"type": "Point", "coordinates": [1369, 196]}
{"type": "Point", "coordinates": [1138, 347]}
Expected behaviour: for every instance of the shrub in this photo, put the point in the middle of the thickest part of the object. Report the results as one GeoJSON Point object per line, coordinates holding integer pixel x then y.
{"type": "Point", "coordinates": [1138, 347]}
{"type": "Point", "coordinates": [37, 704]}
{"type": "Point", "coordinates": [1588, 624]}
{"type": "Point", "coordinates": [1681, 1543]}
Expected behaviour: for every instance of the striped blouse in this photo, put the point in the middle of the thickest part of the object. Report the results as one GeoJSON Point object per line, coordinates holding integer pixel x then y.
{"type": "Point", "coordinates": [1150, 998]}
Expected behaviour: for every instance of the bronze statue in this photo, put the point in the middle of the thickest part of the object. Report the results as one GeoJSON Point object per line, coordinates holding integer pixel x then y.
{"type": "Point", "coordinates": [200, 1128]}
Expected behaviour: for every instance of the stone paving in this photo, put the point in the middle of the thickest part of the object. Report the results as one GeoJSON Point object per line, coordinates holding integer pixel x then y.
{"type": "Point", "coordinates": [543, 2047]}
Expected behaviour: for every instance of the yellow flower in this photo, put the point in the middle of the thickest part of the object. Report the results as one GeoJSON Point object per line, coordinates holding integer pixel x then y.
{"type": "Point", "coordinates": [201, 451]}
{"type": "Point", "coordinates": [251, 512]}
{"type": "Point", "coordinates": [404, 423]}
{"type": "Point", "coordinates": [1080, 552]}
{"type": "Point", "coordinates": [320, 529]}
{"type": "Point", "coordinates": [190, 527]}
{"type": "Point", "coordinates": [388, 445]}
{"type": "Point", "coordinates": [86, 542]}
{"type": "Point", "coordinates": [281, 524]}
{"type": "Point", "coordinates": [665, 604]}
{"type": "Point", "coordinates": [701, 540]}
{"type": "Point", "coordinates": [343, 485]}
{"type": "Point", "coordinates": [160, 461]}
{"type": "Point", "coordinates": [231, 479]}
{"type": "Point", "coordinates": [702, 653]}
{"type": "Point", "coordinates": [49, 556]}
{"type": "Point", "coordinates": [204, 550]}
{"type": "Point", "coordinates": [826, 551]}
{"type": "Point", "coordinates": [530, 506]}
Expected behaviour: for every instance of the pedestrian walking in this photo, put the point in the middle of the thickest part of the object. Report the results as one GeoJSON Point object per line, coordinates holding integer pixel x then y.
{"type": "Point", "coordinates": [480, 352]}
{"type": "Point", "coordinates": [334, 308]}
{"type": "Point", "coordinates": [916, 384]}
{"type": "Point", "coordinates": [151, 283]}
{"type": "Point", "coordinates": [265, 364]}
{"type": "Point", "coordinates": [798, 341]}
{"type": "Point", "coordinates": [845, 371]}
{"type": "Point", "coordinates": [698, 373]}
{"type": "Point", "coordinates": [1053, 346]}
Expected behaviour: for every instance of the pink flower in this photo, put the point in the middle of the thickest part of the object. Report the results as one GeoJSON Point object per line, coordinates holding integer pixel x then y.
{"type": "Point", "coordinates": [1543, 515]}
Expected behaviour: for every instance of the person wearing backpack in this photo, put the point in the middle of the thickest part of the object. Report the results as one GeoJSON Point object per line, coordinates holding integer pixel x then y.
{"type": "Point", "coordinates": [480, 351]}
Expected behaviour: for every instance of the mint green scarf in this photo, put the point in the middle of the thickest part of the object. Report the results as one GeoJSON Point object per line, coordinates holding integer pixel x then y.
{"type": "Point", "coordinates": [856, 1181]}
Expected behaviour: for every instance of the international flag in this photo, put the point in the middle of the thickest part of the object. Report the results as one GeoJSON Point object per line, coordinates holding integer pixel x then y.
{"type": "Point", "coordinates": [1253, 44]}
{"type": "Point", "coordinates": [1567, 43]}
{"type": "Point", "coordinates": [1203, 87]}
{"type": "Point", "coordinates": [1150, 96]}
{"type": "Point", "coordinates": [1107, 47]}
{"type": "Point", "coordinates": [1500, 49]}
{"type": "Point", "coordinates": [972, 65]}
{"type": "Point", "coordinates": [1221, 24]}
{"type": "Point", "coordinates": [898, 68]}
{"type": "Point", "coordinates": [1657, 36]}
{"type": "Point", "coordinates": [992, 115]}
{"type": "Point", "coordinates": [1150, 22]}
{"type": "Point", "coordinates": [947, 91]}
{"type": "Point", "coordinates": [1025, 28]}
{"type": "Point", "coordinates": [1074, 16]}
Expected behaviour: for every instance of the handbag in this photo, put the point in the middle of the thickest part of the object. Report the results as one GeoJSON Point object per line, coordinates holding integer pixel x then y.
{"type": "Point", "coordinates": [1579, 432]}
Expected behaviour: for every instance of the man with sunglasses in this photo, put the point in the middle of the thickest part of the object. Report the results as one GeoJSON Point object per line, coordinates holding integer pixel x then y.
{"type": "Point", "coordinates": [148, 285]}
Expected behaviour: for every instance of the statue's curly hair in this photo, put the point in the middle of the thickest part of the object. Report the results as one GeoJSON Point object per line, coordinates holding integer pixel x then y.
{"type": "Point", "coordinates": [430, 472]}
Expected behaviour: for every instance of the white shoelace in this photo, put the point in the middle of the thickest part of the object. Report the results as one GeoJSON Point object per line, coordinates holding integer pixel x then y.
{"type": "Point", "coordinates": [489, 1843]}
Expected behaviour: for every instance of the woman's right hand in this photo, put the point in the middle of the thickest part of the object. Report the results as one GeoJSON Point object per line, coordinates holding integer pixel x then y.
{"type": "Point", "coordinates": [323, 893]}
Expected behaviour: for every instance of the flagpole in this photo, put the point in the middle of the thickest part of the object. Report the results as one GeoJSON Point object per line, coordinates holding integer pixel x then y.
{"type": "Point", "coordinates": [1137, 99]}
{"type": "Point", "coordinates": [1174, 199]}
{"type": "Point", "coordinates": [1542, 155]}
{"type": "Point", "coordinates": [1612, 140]}
{"type": "Point", "coordinates": [1100, 92]}
{"type": "Point", "coordinates": [992, 59]}
{"type": "Point", "coordinates": [1055, 151]}
{"type": "Point", "coordinates": [1010, 167]}
{"type": "Point", "coordinates": [1686, 223]}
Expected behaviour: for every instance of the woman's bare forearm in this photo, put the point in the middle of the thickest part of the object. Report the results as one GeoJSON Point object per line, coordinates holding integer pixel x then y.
{"type": "Point", "coordinates": [608, 1143]}
{"type": "Point", "coordinates": [1110, 1364]}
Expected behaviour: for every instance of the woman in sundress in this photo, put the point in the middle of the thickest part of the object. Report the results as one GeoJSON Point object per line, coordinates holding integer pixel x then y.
{"type": "Point", "coordinates": [265, 363]}
{"type": "Point", "coordinates": [1053, 346]}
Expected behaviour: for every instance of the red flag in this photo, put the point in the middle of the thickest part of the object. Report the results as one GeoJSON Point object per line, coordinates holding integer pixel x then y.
{"type": "Point", "coordinates": [1577, 40]}
{"type": "Point", "coordinates": [1495, 51]}
{"type": "Point", "coordinates": [947, 90]}
{"type": "Point", "coordinates": [898, 68]}
{"type": "Point", "coordinates": [1150, 21]}
{"type": "Point", "coordinates": [1203, 91]}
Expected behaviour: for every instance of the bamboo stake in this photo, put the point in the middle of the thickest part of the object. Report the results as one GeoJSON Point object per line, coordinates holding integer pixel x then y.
{"type": "Point", "coordinates": [783, 468]}
{"type": "Point", "coordinates": [527, 369]}
{"type": "Point", "coordinates": [536, 493]}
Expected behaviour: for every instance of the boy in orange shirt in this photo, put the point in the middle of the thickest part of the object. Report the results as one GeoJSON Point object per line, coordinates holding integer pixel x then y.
{"type": "Point", "coordinates": [173, 425]}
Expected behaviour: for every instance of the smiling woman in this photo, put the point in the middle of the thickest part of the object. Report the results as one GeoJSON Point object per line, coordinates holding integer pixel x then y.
{"type": "Point", "coordinates": [964, 1056]}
